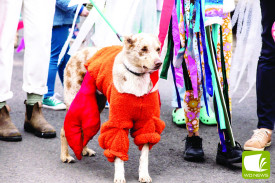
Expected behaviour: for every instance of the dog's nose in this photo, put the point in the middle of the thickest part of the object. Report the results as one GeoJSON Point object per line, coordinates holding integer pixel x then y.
{"type": "Point", "coordinates": [158, 63]}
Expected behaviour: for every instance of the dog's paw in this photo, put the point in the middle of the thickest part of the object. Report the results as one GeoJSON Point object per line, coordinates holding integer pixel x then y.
{"type": "Point", "coordinates": [144, 178]}
{"type": "Point", "coordinates": [88, 152]}
{"type": "Point", "coordinates": [119, 180]}
{"type": "Point", "coordinates": [67, 159]}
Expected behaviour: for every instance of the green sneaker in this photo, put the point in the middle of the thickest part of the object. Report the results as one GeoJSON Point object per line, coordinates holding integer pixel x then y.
{"type": "Point", "coordinates": [205, 119]}
{"type": "Point", "coordinates": [53, 103]}
{"type": "Point", "coordinates": [178, 116]}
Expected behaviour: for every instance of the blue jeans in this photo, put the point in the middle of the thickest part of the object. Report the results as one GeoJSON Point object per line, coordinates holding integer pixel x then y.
{"type": "Point", "coordinates": [59, 37]}
{"type": "Point", "coordinates": [266, 69]}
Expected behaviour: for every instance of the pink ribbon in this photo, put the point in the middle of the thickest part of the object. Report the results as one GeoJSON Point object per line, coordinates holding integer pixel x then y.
{"type": "Point", "coordinates": [175, 31]}
{"type": "Point", "coordinates": [192, 67]}
{"type": "Point", "coordinates": [21, 46]}
{"type": "Point", "coordinates": [179, 77]}
{"type": "Point", "coordinates": [20, 25]}
{"type": "Point", "coordinates": [273, 31]}
{"type": "Point", "coordinates": [165, 18]}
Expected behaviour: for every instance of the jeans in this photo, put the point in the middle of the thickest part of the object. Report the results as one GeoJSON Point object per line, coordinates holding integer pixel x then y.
{"type": "Point", "coordinates": [266, 69]}
{"type": "Point", "coordinates": [59, 37]}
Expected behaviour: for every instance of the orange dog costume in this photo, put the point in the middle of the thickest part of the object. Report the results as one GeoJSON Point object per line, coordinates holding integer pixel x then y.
{"type": "Point", "coordinates": [140, 115]}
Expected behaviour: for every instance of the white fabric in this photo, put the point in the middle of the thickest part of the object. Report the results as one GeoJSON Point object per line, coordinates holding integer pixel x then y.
{"type": "Point", "coordinates": [228, 6]}
{"type": "Point", "coordinates": [86, 27]}
{"type": "Point", "coordinates": [248, 44]}
{"type": "Point", "coordinates": [38, 19]}
{"type": "Point", "coordinates": [127, 17]}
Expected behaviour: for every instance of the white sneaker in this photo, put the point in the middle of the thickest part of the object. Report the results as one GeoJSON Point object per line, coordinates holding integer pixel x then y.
{"type": "Point", "coordinates": [53, 103]}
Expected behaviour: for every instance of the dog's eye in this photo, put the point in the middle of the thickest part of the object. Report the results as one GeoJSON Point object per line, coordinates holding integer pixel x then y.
{"type": "Point", "coordinates": [158, 49]}
{"type": "Point", "coordinates": [144, 49]}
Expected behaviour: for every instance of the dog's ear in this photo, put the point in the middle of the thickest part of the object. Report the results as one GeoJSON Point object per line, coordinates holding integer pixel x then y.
{"type": "Point", "coordinates": [129, 41]}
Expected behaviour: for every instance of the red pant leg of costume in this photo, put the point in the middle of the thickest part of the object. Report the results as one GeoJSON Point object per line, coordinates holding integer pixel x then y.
{"type": "Point", "coordinates": [82, 117]}
{"type": "Point", "coordinates": [147, 132]}
{"type": "Point", "coordinates": [149, 126]}
{"type": "Point", "coordinates": [114, 138]}
{"type": "Point", "coordinates": [127, 110]}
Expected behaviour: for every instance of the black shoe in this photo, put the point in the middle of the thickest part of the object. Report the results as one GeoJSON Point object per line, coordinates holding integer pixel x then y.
{"type": "Point", "coordinates": [232, 154]}
{"type": "Point", "coordinates": [193, 149]}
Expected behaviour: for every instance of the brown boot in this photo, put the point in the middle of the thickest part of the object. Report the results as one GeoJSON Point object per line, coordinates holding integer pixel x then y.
{"type": "Point", "coordinates": [36, 123]}
{"type": "Point", "coordinates": [8, 131]}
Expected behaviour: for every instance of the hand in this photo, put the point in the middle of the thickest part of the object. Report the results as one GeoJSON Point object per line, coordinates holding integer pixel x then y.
{"type": "Point", "coordinates": [84, 12]}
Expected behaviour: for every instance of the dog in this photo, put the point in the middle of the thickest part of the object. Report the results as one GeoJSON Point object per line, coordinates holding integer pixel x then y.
{"type": "Point", "coordinates": [129, 81]}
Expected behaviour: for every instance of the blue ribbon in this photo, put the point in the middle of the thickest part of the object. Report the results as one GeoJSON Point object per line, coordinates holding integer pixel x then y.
{"type": "Point", "coordinates": [209, 86]}
{"type": "Point", "coordinates": [175, 83]}
{"type": "Point", "coordinates": [202, 80]}
{"type": "Point", "coordinates": [221, 134]}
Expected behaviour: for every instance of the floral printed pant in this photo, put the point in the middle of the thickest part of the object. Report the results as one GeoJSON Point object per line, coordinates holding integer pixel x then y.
{"type": "Point", "coordinates": [192, 110]}
{"type": "Point", "coordinates": [192, 105]}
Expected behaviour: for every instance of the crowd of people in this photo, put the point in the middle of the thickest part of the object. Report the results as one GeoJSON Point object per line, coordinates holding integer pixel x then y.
{"type": "Point", "coordinates": [46, 29]}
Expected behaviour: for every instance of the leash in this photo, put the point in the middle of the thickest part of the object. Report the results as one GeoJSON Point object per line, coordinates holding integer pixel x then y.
{"type": "Point", "coordinates": [105, 19]}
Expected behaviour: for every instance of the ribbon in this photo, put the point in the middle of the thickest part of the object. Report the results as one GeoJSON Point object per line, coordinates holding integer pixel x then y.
{"type": "Point", "coordinates": [21, 46]}
{"type": "Point", "coordinates": [273, 31]}
{"type": "Point", "coordinates": [176, 88]}
{"type": "Point", "coordinates": [202, 80]}
{"type": "Point", "coordinates": [84, 30]}
{"type": "Point", "coordinates": [208, 79]}
{"type": "Point", "coordinates": [175, 31]}
{"type": "Point", "coordinates": [20, 25]}
{"type": "Point", "coordinates": [66, 45]}
{"type": "Point", "coordinates": [167, 60]}
{"type": "Point", "coordinates": [192, 67]}
{"type": "Point", "coordinates": [221, 134]}
{"type": "Point", "coordinates": [166, 13]}
{"type": "Point", "coordinates": [225, 83]}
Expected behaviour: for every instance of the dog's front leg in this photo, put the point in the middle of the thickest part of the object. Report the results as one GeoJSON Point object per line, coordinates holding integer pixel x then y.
{"type": "Point", "coordinates": [119, 171]}
{"type": "Point", "coordinates": [143, 165]}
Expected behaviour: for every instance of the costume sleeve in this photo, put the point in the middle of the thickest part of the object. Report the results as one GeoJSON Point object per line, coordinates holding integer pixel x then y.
{"type": "Point", "coordinates": [82, 120]}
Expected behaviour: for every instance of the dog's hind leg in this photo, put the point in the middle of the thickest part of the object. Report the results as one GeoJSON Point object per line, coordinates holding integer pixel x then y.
{"type": "Point", "coordinates": [143, 165]}
{"type": "Point", "coordinates": [119, 171]}
{"type": "Point", "coordinates": [101, 101]}
{"type": "Point", "coordinates": [88, 152]}
{"type": "Point", "coordinates": [64, 155]}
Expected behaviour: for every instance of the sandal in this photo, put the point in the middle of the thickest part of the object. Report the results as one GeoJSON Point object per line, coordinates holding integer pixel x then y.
{"type": "Point", "coordinates": [178, 116]}
{"type": "Point", "coordinates": [205, 119]}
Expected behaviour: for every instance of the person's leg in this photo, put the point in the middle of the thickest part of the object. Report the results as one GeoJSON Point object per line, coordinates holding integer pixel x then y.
{"type": "Point", "coordinates": [264, 84]}
{"type": "Point", "coordinates": [9, 17]}
{"type": "Point", "coordinates": [266, 70]}
{"type": "Point", "coordinates": [62, 66]}
{"type": "Point", "coordinates": [38, 21]}
{"type": "Point", "coordinates": [178, 113]}
{"type": "Point", "coordinates": [193, 145]}
{"type": "Point", "coordinates": [207, 118]}
{"type": "Point", "coordinates": [59, 37]}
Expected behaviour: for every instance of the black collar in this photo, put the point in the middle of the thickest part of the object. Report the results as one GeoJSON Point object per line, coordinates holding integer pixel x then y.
{"type": "Point", "coordinates": [135, 73]}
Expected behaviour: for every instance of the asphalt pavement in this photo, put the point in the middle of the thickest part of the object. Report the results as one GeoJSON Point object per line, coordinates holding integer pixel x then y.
{"type": "Point", "coordinates": [36, 160]}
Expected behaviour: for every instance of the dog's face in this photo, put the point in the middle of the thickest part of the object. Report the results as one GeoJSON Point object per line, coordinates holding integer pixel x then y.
{"type": "Point", "coordinates": [143, 52]}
